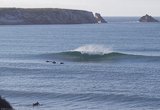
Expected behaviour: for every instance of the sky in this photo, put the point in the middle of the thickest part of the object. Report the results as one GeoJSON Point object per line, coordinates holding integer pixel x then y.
{"type": "Point", "coordinates": [105, 7]}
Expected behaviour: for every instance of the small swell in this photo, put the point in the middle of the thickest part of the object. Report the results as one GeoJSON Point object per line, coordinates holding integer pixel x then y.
{"type": "Point", "coordinates": [85, 97]}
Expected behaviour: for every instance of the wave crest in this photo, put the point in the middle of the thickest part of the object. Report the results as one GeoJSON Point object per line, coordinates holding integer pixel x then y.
{"type": "Point", "coordinates": [93, 49]}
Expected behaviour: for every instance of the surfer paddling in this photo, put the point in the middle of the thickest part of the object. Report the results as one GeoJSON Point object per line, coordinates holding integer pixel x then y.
{"type": "Point", "coordinates": [54, 62]}
{"type": "Point", "coordinates": [36, 104]}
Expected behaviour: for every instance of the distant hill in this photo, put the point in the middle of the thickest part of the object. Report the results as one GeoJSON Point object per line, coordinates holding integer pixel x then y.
{"type": "Point", "coordinates": [16, 16]}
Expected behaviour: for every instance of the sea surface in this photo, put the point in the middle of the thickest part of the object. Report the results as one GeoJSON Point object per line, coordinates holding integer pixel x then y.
{"type": "Point", "coordinates": [113, 66]}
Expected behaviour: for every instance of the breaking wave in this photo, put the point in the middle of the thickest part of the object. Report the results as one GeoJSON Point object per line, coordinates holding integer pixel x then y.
{"type": "Point", "coordinates": [96, 53]}
{"type": "Point", "coordinates": [93, 50]}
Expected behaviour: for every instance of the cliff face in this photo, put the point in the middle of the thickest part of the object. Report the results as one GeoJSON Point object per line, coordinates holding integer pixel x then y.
{"type": "Point", "coordinates": [10, 16]}
{"type": "Point", "coordinates": [147, 18]}
{"type": "Point", "coordinates": [99, 18]}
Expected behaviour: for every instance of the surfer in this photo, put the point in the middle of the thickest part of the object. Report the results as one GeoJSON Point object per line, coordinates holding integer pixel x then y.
{"type": "Point", "coordinates": [48, 61]}
{"type": "Point", "coordinates": [54, 62]}
{"type": "Point", "coordinates": [61, 63]}
{"type": "Point", "coordinates": [36, 104]}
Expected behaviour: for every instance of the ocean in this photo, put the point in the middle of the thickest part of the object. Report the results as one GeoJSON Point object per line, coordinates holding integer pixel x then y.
{"type": "Point", "coordinates": [113, 66]}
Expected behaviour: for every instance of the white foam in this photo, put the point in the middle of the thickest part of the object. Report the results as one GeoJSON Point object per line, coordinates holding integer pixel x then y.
{"type": "Point", "coordinates": [93, 49]}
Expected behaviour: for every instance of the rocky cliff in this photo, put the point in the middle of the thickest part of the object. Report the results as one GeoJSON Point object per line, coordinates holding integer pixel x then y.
{"type": "Point", "coordinates": [4, 105]}
{"type": "Point", "coordinates": [10, 16]}
{"type": "Point", "coordinates": [99, 18]}
{"type": "Point", "coordinates": [147, 18]}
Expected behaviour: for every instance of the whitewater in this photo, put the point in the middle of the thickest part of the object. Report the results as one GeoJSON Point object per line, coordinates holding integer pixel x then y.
{"type": "Point", "coordinates": [112, 66]}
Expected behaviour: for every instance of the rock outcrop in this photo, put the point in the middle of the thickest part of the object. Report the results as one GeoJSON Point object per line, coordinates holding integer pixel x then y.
{"type": "Point", "coordinates": [99, 18]}
{"type": "Point", "coordinates": [11, 16]}
{"type": "Point", "coordinates": [147, 18]}
{"type": "Point", "coordinates": [4, 105]}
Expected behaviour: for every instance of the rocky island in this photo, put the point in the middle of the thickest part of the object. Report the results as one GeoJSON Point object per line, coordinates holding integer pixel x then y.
{"type": "Point", "coordinates": [21, 16]}
{"type": "Point", "coordinates": [4, 105]}
{"type": "Point", "coordinates": [147, 18]}
{"type": "Point", "coordinates": [99, 18]}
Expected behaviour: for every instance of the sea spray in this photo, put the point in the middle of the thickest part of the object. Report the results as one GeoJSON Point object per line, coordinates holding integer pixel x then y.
{"type": "Point", "coordinates": [93, 49]}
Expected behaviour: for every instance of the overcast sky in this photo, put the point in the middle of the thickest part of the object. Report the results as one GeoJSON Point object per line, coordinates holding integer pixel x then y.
{"type": "Point", "coordinates": [105, 7]}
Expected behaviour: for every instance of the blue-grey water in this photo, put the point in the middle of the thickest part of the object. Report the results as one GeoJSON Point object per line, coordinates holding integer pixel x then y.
{"type": "Point", "coordinates": [114, 66]}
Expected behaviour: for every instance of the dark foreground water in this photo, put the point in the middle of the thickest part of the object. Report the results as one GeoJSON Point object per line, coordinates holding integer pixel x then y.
{"type": "Point", "coordinates": [114, 66]}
